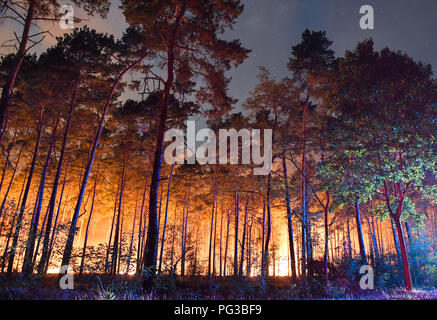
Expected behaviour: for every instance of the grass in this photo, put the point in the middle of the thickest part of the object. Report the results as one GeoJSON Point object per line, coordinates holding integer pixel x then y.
{"type": "Point", "coordinates": [104, 287]}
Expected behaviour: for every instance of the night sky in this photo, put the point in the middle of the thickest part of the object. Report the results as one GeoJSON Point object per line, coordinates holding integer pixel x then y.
{"type": "Point", "coordinates": [270, 27]}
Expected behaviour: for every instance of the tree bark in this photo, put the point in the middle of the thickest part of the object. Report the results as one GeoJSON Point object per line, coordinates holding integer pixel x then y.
{"type": "Point", "coordinates": [289, 220]}
{"type": "Point", "coordinates": [164, 228]}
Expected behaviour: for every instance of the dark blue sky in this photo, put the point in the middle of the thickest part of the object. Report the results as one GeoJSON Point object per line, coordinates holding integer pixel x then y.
{"type": "Point", "coordinates": [271, 27]}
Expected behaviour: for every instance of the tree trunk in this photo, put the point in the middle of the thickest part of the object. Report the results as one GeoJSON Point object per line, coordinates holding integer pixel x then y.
{"type": "Point", "coordinates": [405, 263]}
{"type": "Point", "coordinates": [243, 241]}
{"type": "Point", "coordinates": [289, 220]}
{"type": "Point", "coordinates": [131, 241]}
{"type": "Point", "coordinates": [360, 232]}
{"type": "Point", "coordinates": [108, 249]}
{"type": "Point", "coordinates": [264, 269]}
{"type": "Point", "coordinates": [237, 209]}
{"type": "Point", "coordinates": [212, 222]}
{"type": "Point", "coordinates": [82, 262]}
{"type": "Point", "coordinates": [226, 244]}
{"type": "Point", "coordinates": [164, 228]}
{"type": "Point", "coordinates": [220, 246]}
{"type": "Point", "coordinates": [141, 230]}
{"type": "Point", "coordinates": [117, 224]}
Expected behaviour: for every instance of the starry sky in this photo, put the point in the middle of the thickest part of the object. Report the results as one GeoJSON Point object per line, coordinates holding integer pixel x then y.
{"type": "Point", "coordinates": [271, 27]}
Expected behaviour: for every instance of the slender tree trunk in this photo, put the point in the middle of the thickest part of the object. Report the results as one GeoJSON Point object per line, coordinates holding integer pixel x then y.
{"type": "Point", "coordinates": [243, 241]}
{"type": "Point", "coordinates": [289, 220]}
{"type": "Point", "coordinates": [395, 240]}
{"type": "Point", "coordinates": [263, 233]}
{"type": "Point", "coordinates": [326, 253]}
{"type": "Point", "coordinates": [164, 228]}
{"type": "Point", "coordinates": [214, 245]}
{"type": "Point", "coordinates": [305, 253]}
{"type": "Point", "coordinates": [212, 222]}
{"type": "Point", "coordinates": [237, 213]}
{"type": "Point", "coordinates": [141, 230]}
{"type": "Point", "coordinates": [108, 249]}
{"type": "Point", "coordinates": [82, 262]}
{"type": "Point", "coordinates": [405, 263]}
{"type": "Point", "coordinates": [220, 246]}
{"type": "Point", "coordinates": [173, 267]}
{"type": "Point", "coordinates": [226, 245]}
{"type": "Point", "coordinates": [265, 264]}
{"type": "Point", "coordinates": [117, 224]}
{"type": "Point", "coordinates": [131, 241]}
{"type": "Point", "coordinates": [360, 232]}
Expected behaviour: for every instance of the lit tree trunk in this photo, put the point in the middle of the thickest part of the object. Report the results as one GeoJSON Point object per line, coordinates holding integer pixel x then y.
{"type": "Point", "coordinates": [395, 240]}
{"type": "Point", "coordinates": [405, 263]}
{"type": "Point", "coordinates": [326, 224]}
{"type": "Point", "coordinates": [305, 253]}
{"type": "Point", "coordinates": [117, 224]}
{"type": "Point", "coordinates": [82, 262]}
{"type": "Point", "coordinates": [131, 241]}
{"type": "Point", "coordinates": [220, 246]}
{"type": "Point", "coordinates": [264, 270]}
{"type": "Point", "coordinates": [173, 267]}
{"type": "Point", "coordinates": [184, 235]}
{"type": "Point", "coordinates": [214, 246]}
{"type": "Point", "coordinates": [212, 223]}
{"type": "Point", "coordinates": [243, 241]}
{"type": "Point", "coordinates": [263, 227]}
{"type": "Point", "coordinates": [226, 244]}
{"type": "Point", "coordinates": [360, 232]}
{"type": "Point", "coordinates": [289, 220]}
{"type": "Point", "coordinates": [164, 228]}
{"type": "Point", "coordinates": [349, 241]}
{"type": "Point", "coordinates": [19, 57]}
{"type": "Point", "coordinates": [141, 230]}
{"type": "Point", "coordinates": [249, 251]}
{"type": "Point", "coordinates": [237, 213]}
{"type": "Point", "coordinates": [108, 249]}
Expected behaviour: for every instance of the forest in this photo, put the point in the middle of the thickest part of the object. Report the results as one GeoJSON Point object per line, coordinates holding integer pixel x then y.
{"type": "Point", "coordinates": [85, 187]}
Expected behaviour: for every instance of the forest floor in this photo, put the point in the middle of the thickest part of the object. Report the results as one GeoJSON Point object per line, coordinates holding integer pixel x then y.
{"type": "Point", "coordinates": [103, 287]}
